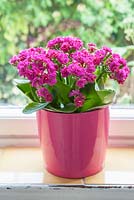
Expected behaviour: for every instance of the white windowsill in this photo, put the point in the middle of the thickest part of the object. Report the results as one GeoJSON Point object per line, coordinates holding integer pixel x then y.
{"type": "Point", "coordinates": [28, 178]}
{"type": "Point", "coordinates": [46, 192]}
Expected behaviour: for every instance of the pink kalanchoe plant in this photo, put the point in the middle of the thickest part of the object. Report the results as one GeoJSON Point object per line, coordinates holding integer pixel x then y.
{"type": "Point", "coordinates": [67, 77]}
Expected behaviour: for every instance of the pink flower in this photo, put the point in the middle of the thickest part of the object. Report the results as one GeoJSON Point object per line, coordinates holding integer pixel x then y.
{"type": "Point", "coordinates": [76, 69]}
{"type": "Point", "coordinates": [90, 77]}
{"type": "Point", "coordinates": [119, 69]}
{"type": "Point", "coordinates": [92, 47]}
{"type": "Point", "coordinates": [79, 100]}
{"type": "Point", "coordinates": [107, 49]}
{"type": "Point", "coordinates": [55, 43]}
{"type": "Point", "coordinates": [61, 57]}
{"type": "Point", "coordinates": [74, 93]}
{"type": "Point", "coordinates": [65, 47]}
{"type": "Point", "coordinates": [114, 66]}
{"type": "Point", "coordinates": [99, 56]}
{"type": "Point", "coordinates": [122, 74]}
{"type": "Point", "coordinates": [52, 79]}
{"type": "Point", "coordinates": [43, 92]}
{"type": "Point", "coordinates": [36, 82]}
{"type": "Point", "coordinates": [36, 66]}
{"type": "Point", "coordinates": [14, 60]}
{"type": "Point", "coordinates": [90, 68]}
{"type": "Point", "coordinates": [97, 60]}
{"type": "Point", "coordinates": [83, 57]}
{"type": "Point", "coordinates": [65, 43]}
{"type": "Point", "coordinates": [81, 82]}
{"type": "Point", "coordinates": [65, 72]}
{"type": "Point", "coordinates": [48, 97]}
{"type": "Point", "coordinates": [122, 61]}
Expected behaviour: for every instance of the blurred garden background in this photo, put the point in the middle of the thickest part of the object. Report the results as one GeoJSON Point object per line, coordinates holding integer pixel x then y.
{"type": "Point", "coordinates": [31, 23]}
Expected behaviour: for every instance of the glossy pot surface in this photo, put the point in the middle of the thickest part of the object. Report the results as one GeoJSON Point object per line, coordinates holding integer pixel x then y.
{"type": "Point", "coordinates": [73, 145]}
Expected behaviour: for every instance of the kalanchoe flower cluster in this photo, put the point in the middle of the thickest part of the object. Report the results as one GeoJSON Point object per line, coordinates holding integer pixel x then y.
{"type": "Point", "coordinates": [118, 68]}
{"type": "Point", "coordinates": [79, 98]}
{"type": "Point", "coordinates": [43, 92]}
{"type": "Point", "coordinates": [65, 44]}
{"type": "Point", "coordinates": [66, 60]}
{"type": "Point", "coordinates": [58, 56]}
{"type": "Point", "coordinates": [91, 47]}
{"type": "Point", "coordinates": [36, 66]}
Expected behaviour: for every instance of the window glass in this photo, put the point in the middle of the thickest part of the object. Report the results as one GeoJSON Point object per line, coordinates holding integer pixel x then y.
{"type": "Point", "coordinates": [32, 23]}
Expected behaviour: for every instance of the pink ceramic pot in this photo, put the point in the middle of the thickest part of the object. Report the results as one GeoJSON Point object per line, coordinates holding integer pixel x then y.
{"type": "Point", "coordinates": [74, 145]}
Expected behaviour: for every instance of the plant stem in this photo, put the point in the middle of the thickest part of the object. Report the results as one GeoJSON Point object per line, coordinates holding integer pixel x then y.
{"type": "Point", "coordinates": [99, 77]}
{"type": "Point", "coordinates": [67, 80]}
{"type": "Point", "coordinates": [60, 76]}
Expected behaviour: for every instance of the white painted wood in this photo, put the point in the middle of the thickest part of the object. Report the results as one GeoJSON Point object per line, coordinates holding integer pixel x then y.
{"type": "Point", "coordinates": [19, 141]}
{"type": "Point", "coordinates": [33, 141]}
{"type": "Point", "coordinates": [42, 192]}
{"type": "Point", "coordinates": [121, 127]}
{"type": "Point", "coordinates": [121, 141]}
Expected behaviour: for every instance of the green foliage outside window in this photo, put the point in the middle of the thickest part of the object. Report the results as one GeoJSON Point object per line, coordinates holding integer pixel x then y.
{"type": "Point", "coordinates": [28, 23]}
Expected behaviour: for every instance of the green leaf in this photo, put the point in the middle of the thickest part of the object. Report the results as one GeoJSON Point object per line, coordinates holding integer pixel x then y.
{"type": "Point", "coordinates": [62, 92]}
{"type": "Point", "coordinates": [87, 105]}
{"type": "Point", "coordinates": [92, 97]}
{"type": "Point", "coordinates": [120, 50]}
{"type": "Point", "coordinates": [33, 107]}
{"type": "Point", "coordinates": [98, 107]}
{"type": "Point", "coordinates": [69, 108]}
{"type": "Point", "coordinates": [95, 99]}
{"type": "Point", "coordinates": [21, 81]}
{"type": "Point", "coordinates": [27, 89]}
{"type": "Point", "coordinates": [34, 95]}
{"type": "Point", "coordinates": [130, 63]}
{"type": "Point", "coordinates": [106, 96]}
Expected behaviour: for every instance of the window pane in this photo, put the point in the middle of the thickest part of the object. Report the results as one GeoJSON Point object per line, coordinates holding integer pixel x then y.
{"type": "Point", "coordinates": [32, 23]}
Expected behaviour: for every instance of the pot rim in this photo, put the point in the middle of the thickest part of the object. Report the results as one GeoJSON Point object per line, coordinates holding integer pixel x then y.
{"type": "Point", "coordinates": [63, 113]}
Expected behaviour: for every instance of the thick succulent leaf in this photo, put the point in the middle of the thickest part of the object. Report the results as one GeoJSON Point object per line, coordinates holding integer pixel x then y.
{"type": "Point", "coordinates": [125, 51]}
{"type": "Point", "coordinates": [101, 82]}
{"type": "Point", "coordinates": [106, 96]}
{"type": "Point", "coordinates": [62, 91]}
{"type": "Point", "coordinates": [89, 104]}
{"type": "Point", "coordinates": [130, 63]}
{"type": "Point", "coordinates": [21, 81]}
{"type": "Point", "coordinates": [27, 89]}
{"type": "Point", "coordinates": [33, 107]}
{"type": "Point", "coordinates": [88, 90]}
{"type": "Point", "coordinates": [95, 99]}
{"type": "Point", "coordinates": [98, 107]}
{"type": "Point", "coordinates": [34, 95]}
{"type": "Point", "coordinates": [92, 97]}
{"type": "Point", "coordinates": [69, 108]}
